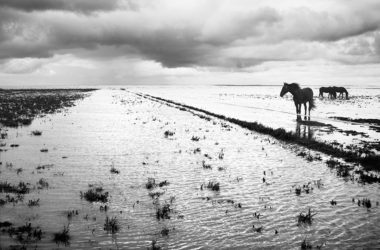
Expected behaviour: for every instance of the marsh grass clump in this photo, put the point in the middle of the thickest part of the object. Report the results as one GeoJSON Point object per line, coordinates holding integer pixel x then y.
{"type": "Point", "coordinates": [111, 225]}
{"type": "Point", "coordinates": [165, 231]}
{"type": "Point", "coordinates": [168, 133]}
{"type": "Point", "coordinates": [306, 245]}
{"type": "Point", "coordinates": [25, 234]}
{"type": "Point", "coordinates": [365, 203]}
{"type": "Point", "coordinates": [72, 213]}
{"type": "Point", "coordinates": [62, 237]}
{"type": "Point", "coordinates": [21, 188]}
{"type": "Point", "coordinates": [95, 194]}
{"type": "Point", "coordinates": [342, 170]}
{"type": "Point", "coordinates": [42, 183]}
{"type": "Point", "coordinates": [163, 212]}
{"type": "Point", "coordinates": [163, 183]}
{"type": "Point", "coordinates": [206, 166]}
{"type": "Point", "coordinates": [154, 246]}
{"type": "Point", "coordinates": [221, 155]}
{"type": "Point", "coordinates": [114, 170]}
{"type": "Point", "coordinates": [305, 218]}
{"type": "Point", "coordinates": [197, 150]}
{"type": "Point", "coordinates": [151, 183]}
{"type": "Point", "coordinates": [33, 203]}
{"type": "Point", "coordinates": [367, 177]}
{"type": "Point", "coordinates": [155, 195]}
{"type": "Point", "coordinates": [5, 224]}
{"type": "Point", "coordinates": [195, 138]}
{"type": "Point", "coordinates": [19, 170]}
{"type": "Point", "coordinates": [298, 190]}
{"type": "Point", "coordinates": [214, 186]}
{"type": "Point", "coordinates": [36, 132]}
{"type": "Point", "coordinates": [11, 199]}
{"type": "Point", "coordinates": [302, 154]}
{"type": "Point", "coordinates": [39, 168]}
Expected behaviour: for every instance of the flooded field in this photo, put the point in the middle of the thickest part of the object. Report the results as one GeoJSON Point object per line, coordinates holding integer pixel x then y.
{"type": "Point", "coordinates": [124, 170]}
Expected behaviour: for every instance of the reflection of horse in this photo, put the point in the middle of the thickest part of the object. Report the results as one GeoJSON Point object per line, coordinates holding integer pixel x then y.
{"type": "Point", "coordinates": [329, 90]}
{"type": "Point", "coordinates": [300, 96]}
{"type": "Point", "coordinates": [305, 132]}
{"type": "Point", "coordinates": [341, 91]}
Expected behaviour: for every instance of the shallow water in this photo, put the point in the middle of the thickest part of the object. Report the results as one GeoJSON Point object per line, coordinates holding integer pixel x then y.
{"type": "Point", "coordinates": [117, 128]}
{"type": "Point", "coordinates": [263, 104]}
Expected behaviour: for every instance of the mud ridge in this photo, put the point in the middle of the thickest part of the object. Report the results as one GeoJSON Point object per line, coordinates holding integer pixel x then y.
{"type": "Point", "coordinates": [369, 162]}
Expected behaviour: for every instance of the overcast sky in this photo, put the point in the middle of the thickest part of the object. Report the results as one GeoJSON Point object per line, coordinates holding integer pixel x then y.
{"type": "Point", "coordinates": [79, 42]}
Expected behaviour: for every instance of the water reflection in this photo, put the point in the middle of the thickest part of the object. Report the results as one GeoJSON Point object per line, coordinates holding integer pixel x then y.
{"type": "Point", "coordinates": [304, 130]}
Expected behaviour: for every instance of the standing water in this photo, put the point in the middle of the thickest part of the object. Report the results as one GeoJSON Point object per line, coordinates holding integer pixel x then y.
{"type": "Point", "coordinates": [177, 178]}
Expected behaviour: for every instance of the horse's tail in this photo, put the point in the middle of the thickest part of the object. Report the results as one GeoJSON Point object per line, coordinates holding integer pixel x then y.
{"type": "Point", "coordinates": [312, 104]}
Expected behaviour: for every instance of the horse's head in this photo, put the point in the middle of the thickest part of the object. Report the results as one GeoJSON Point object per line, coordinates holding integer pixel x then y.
{"type": "Point", "coordinates": [284, 89]}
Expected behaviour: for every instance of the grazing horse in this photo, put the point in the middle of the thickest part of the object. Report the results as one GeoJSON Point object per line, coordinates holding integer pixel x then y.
{"type": "Point", "coordinates": [330, 90]}
{"type": "Point", "coordinates": [341, 91]}
{"type": "Point", "coordinates": [300, 96]}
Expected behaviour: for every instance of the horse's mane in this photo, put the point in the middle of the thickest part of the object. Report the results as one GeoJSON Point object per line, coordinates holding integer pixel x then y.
{"type": "Point", "coordinates": [294, 86]}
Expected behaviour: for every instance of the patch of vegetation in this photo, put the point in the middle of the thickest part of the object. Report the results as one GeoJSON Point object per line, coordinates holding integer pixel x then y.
{"type": "Point", "coordinates": [195, 138]}
{"type": "Point", "coordinates": [154, 246]}
{"type": "Point", "coordinates": [163, 212]}
{"type": "Point", "coordinates": [306, 245]}
{"type": "Point", "coordinates": [43, 167]}
{"type": "Point", "coordinates": [163, 183]}
{"type": "Point", "coordinates": [36, 132]}
{"type": "Point", "coordinates": [165, 231]}
{"type": "Point", "coordinates": [214, 186]}
{"type": "Point", "coordinates": [155, 195]}
{"type": "Point", "coordinates": [151, 183]}
{"type": "Point", "coordinates": [168, 133]}
{"type": "Point", "coordinates": [114, 170]}
{"type": "Point", "coordinates": [111, 225]}
{"type": "Point", "coordinates": [20, 107]}
{"type": "Point", "coordinates": [11, 199]}
{"type": "Point", "coordinates": [365, 203]}
{"type": "Point", "coordinates": [25, 234]}
{"type": "Point", "coordinates": [42, 183]}
{"type": "Point", "coordinates": [206, 166]}
{"type": "Point", "coordinates": [95, 194]}
{"type": "Point", "coordinates": [34, 203]}
{"type": "Point", "coordinates": [305, 218]}
{"type": "Point", "coordinates": [62, 237]}
{"type": "Point", "coordinates": [197, 150]}
{"type": "Point", "coordinates": [21, 188]}
{"type": "Point", "coordinates": [5, 224]}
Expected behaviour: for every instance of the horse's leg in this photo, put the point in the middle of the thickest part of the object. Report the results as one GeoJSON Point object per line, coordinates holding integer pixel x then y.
{"type": "Point", "coordinates": [297, 109]}
{"type": "Point", "coordinates": [304, 105]}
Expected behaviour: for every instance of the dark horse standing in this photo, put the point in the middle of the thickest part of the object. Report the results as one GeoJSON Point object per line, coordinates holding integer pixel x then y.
{"type": "Point", "coordinates": [300, 96]}
{"type": "Point", "coordinates": [329, 90]}
{"type": "Point", "coordinates": [341, 91]}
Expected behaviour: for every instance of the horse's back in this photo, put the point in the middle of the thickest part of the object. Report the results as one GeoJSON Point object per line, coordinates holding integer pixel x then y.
{"type": "Point", "coordinates": [308, 91]}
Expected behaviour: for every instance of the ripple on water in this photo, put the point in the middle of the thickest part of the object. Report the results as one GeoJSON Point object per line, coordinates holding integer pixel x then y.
{"type": "Point", "coordinates": [125, 135]}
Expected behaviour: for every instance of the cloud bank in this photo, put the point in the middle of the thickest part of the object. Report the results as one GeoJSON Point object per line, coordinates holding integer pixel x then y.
{"type": "Point", "coordinates": [214, 36]}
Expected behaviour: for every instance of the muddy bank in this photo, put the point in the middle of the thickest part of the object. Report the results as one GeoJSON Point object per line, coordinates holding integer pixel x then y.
{"type": "Point", "coordinates": [369, 161]}
{"type": "Point", "coordinates": [20, 107]}
{"type": "Point", "coordinates": [360, 120]}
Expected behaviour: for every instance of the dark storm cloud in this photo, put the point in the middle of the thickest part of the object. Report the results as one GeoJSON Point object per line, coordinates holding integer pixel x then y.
{"type": "Point", "coordinates": [237, 38]}
{"type": "Point", "coordinates": [66, 5]}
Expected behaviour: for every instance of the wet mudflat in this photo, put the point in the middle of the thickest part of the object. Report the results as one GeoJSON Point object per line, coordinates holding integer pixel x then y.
{"type": "Point", "coordinates": [122, 171]}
